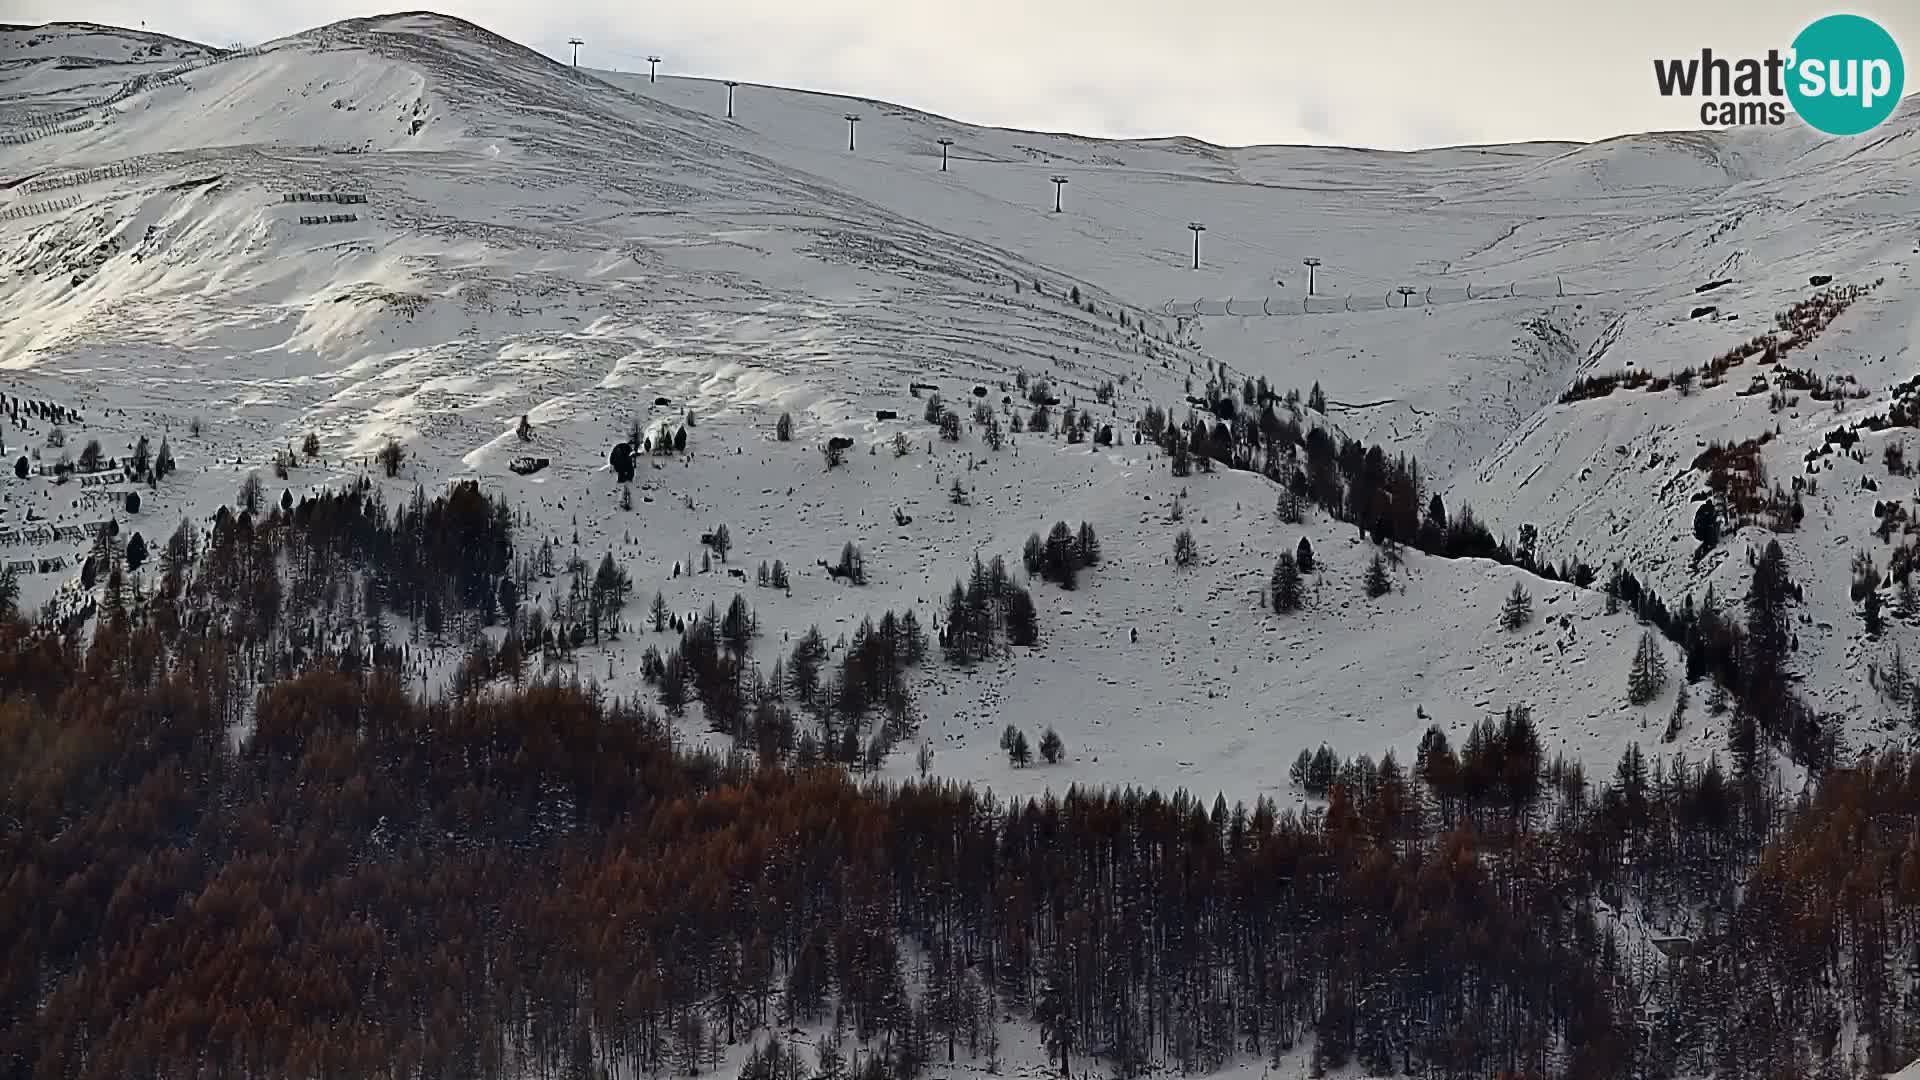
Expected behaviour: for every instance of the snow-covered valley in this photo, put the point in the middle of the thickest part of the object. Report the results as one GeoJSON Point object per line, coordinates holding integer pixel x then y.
{"type": "Point", "coordinates": [407, 229]}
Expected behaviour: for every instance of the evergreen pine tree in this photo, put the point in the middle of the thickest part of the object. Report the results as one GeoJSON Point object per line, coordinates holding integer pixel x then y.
{"type": "Point", "coordinates": [1060, 563]}
{"type": "Point", "coordinates": [1290, 506]}
{"type": "Point", "coordinates": [1377, 582]}
{"type": "Point", "coordinates": [1647, 676]}
{"type": "Point", "coordinates": [1706, 524]}
{"type": "Point", "coordinates": [1517, 612]}
{"type": "Point", "coordinates": [1033, 555]}
{"type": "Point", "coordinates": [1678, 718]}
{"type": "Point", "coordinates": [1087, 546]}
{"type": "Point", "coordinates": [392, 456]}
{"type": "Point", "coordinates": [1020, 754]}
{"type": "Point", "coordinates": [1023, 619]}
{"type": "Point", "coordinates": [1051, 747]}
{"type": "Point", "coordinates": [1767, 597]}
{"type": "Point", "coordinates": [252, 494]}
{"type": "Point", "coordinates": [1286, 585]}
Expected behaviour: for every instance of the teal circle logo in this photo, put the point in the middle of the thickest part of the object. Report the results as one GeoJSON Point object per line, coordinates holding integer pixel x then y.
{"type": "Point", "coordinates": [1846, 74]}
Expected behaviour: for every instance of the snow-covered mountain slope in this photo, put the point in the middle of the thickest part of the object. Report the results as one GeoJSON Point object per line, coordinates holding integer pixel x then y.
{"type": "Point", "coordinates": [595, 249]}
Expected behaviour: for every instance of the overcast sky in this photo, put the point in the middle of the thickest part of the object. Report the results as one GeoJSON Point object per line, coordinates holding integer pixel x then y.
{"type": "Point", "coordinates": [1383, 73]}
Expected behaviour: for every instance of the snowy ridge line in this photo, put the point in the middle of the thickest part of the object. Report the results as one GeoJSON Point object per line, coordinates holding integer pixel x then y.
{"type": "Point", "coordinates": [138, 83]}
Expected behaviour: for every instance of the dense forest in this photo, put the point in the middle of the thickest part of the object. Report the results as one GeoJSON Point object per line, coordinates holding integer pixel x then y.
{"type": "Point", "coordinates": [238, 841]}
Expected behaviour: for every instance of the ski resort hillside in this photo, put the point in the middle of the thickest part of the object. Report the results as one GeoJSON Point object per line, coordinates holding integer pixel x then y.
{"type": "Point", "coordinates": [881, 347]}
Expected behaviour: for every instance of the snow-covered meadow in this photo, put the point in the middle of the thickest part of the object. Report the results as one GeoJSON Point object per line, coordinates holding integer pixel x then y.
{"type": "Point", "coordinates": [594, 250]}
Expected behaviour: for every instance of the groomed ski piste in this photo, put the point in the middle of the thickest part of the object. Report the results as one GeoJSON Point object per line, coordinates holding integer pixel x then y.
{"type": "Point", "coordinates": [406, 227]}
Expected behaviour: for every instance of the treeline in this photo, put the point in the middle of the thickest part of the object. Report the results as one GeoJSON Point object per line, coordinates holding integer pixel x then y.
{"type": "Point", "coordinates": [534, 882]}
{"type": "Point", "coordinates": [427, 561]}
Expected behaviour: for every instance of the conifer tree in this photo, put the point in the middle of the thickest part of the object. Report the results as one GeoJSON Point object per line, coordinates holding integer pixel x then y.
{"type": "Point", "coordinates": [1185, 551]}
{"type": "Point", "coordinates": [1290, 507]}
{"type": "Point", "coordinates": [1087, 546]}
{"type": "Point", "coordinates": [1051, 747]}
{"type": "Point", "coordinates": [1647, 676]}
{"type": "Point", "coordinates": [1517, 612]}
{"type": "Point", "coordinates": [392, 456]}
{"type": "Point", "coordinates": [1033, 555]}
{"type": "Point", "coordinates": [1023, 619]}
{"type": "Point", "coordinates": [1678, 717]}
{"type": "Point", "coordinates": [1060, 564]}
{"type": "Point", "coordinates": [1767, 598]}
{"type": "Point", "coordinates": [1286, 585]}
{"type": "Point", "coordinates": [252, 494]}
{"type": "Point", "coordinates": [1377, 582]}
{"type": "Point", "coordinates": [991, 433]}
{"type": "Point", "coordinates": [738, 627]}
{"type": "Point", "coordinates": [852, 564]}
{"type": "Point", "coordinates": [1706, 525]}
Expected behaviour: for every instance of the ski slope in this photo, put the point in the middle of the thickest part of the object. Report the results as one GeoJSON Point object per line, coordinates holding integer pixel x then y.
{"type": "Point", "coordinates": [580, 246]}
